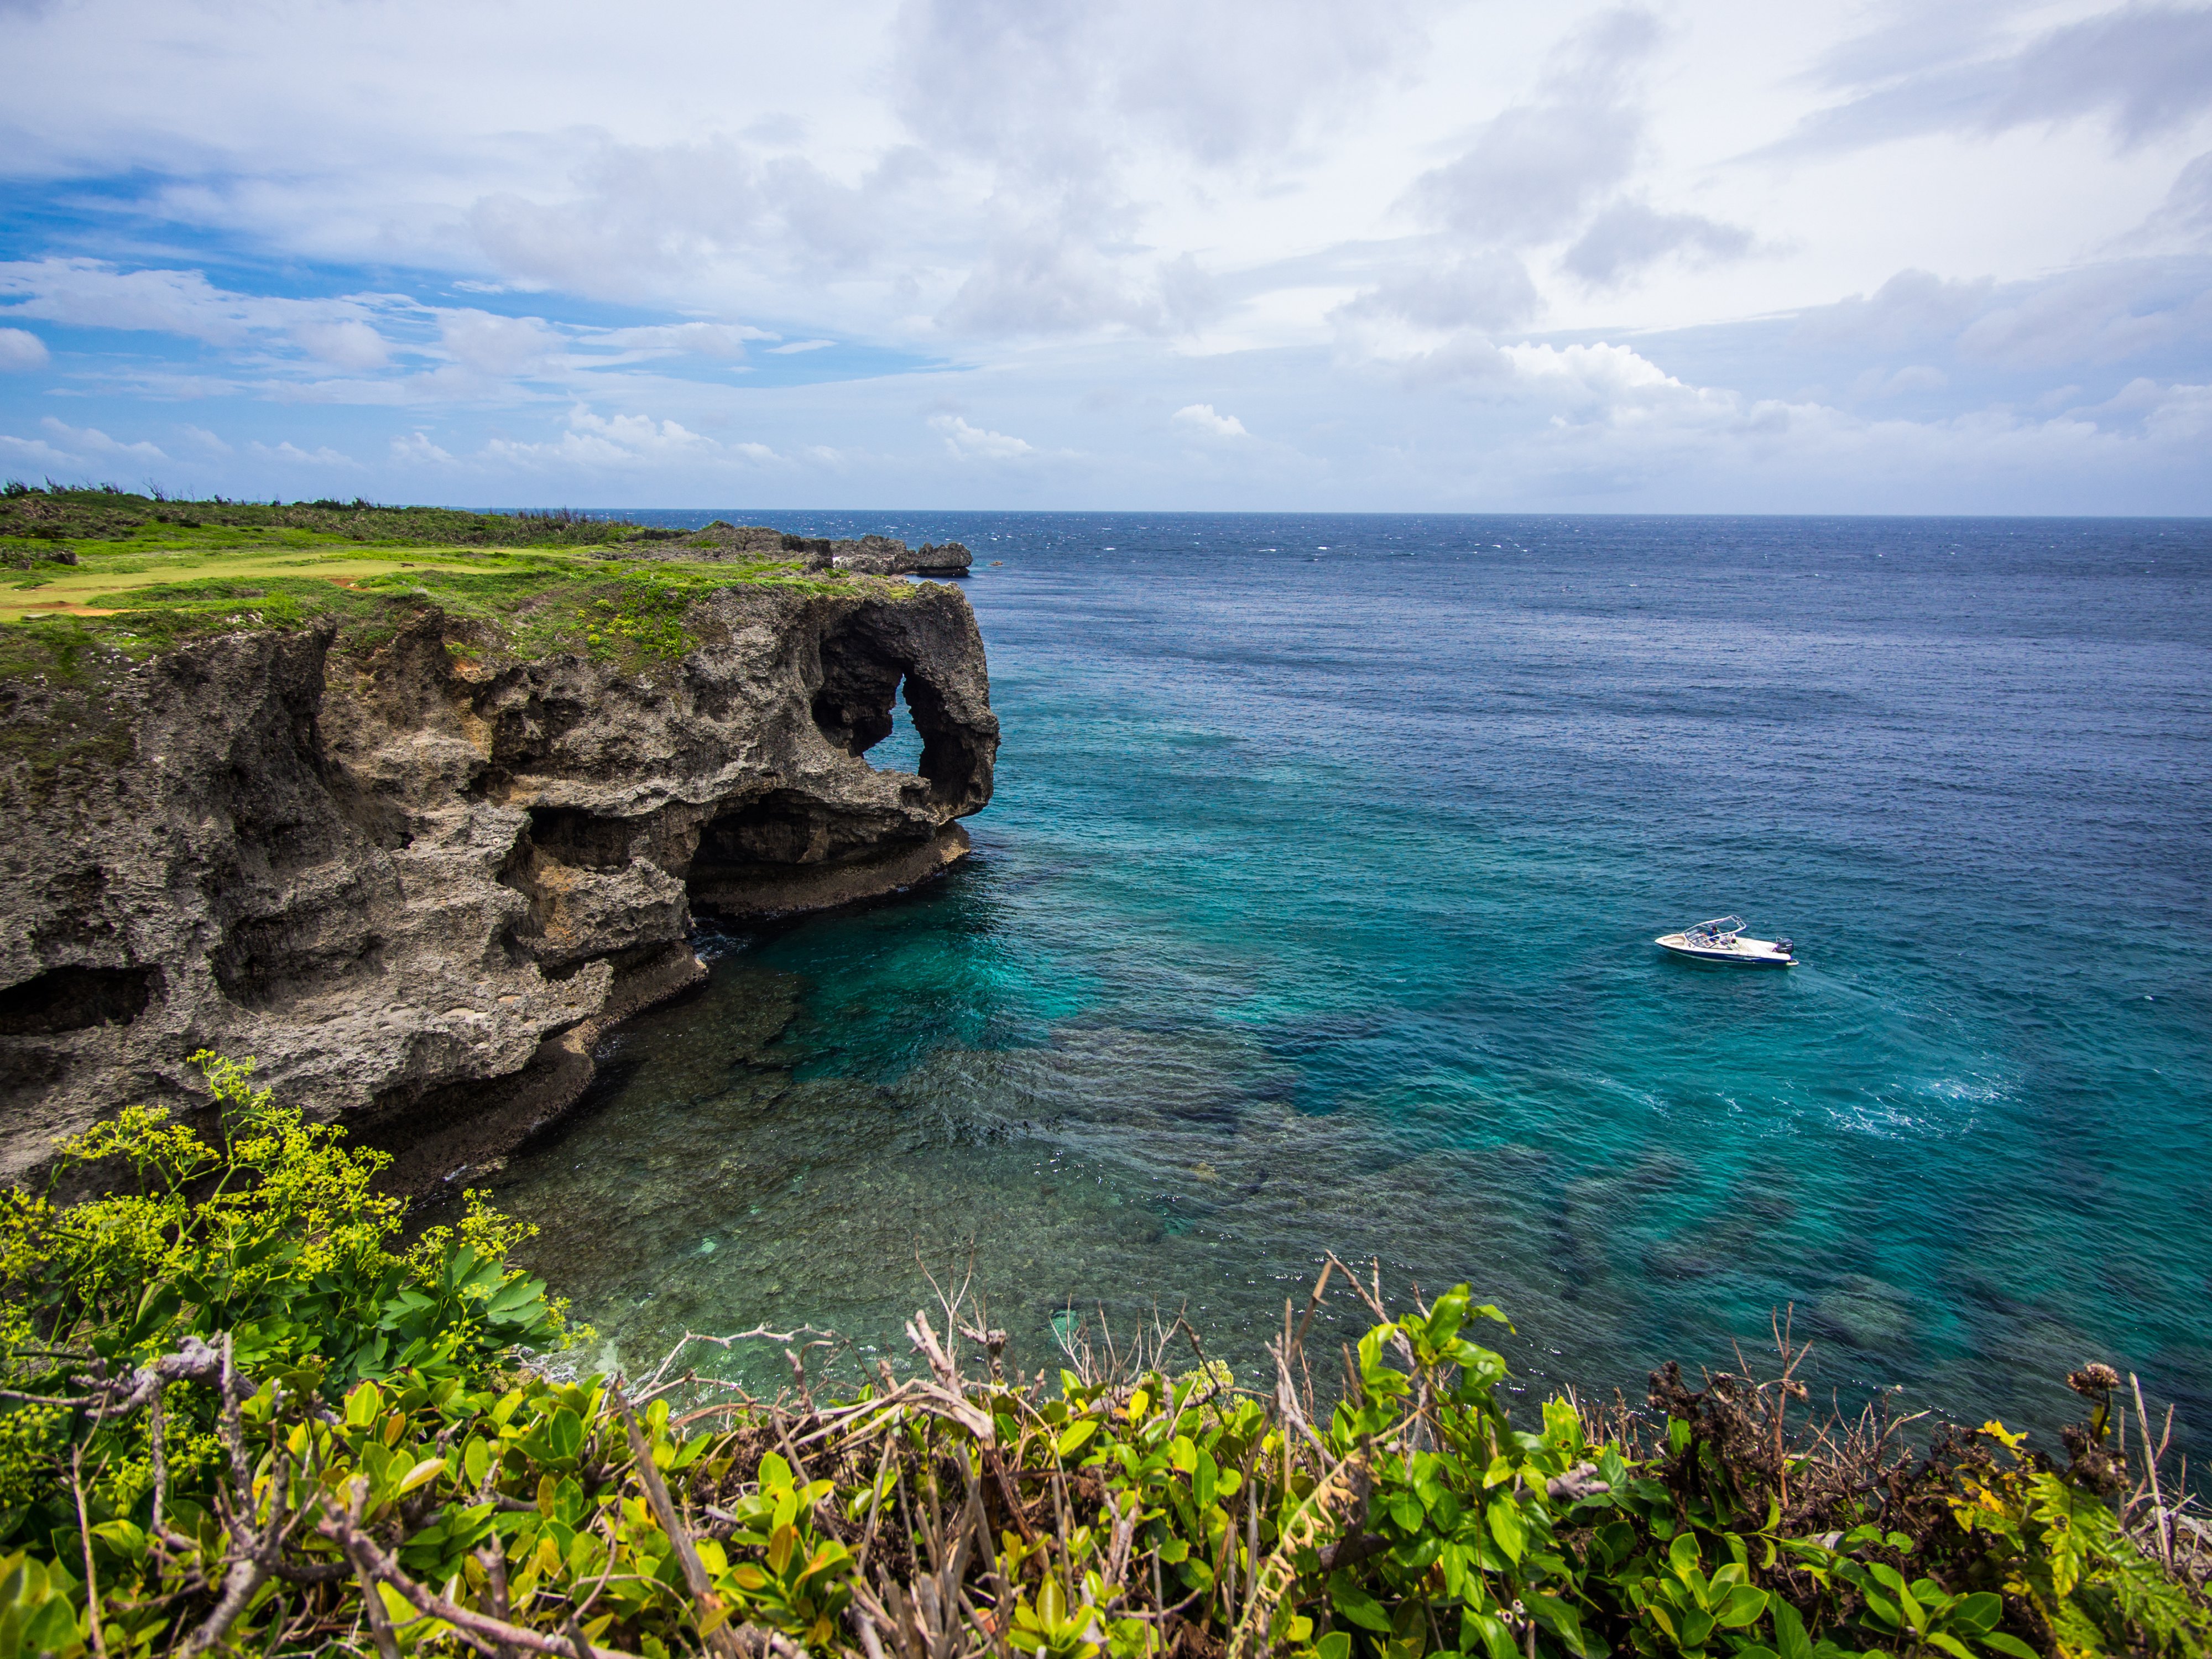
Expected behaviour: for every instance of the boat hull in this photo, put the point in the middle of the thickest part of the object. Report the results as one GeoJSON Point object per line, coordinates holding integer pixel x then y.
{"type": "Point", "coordinates": [1745, 953]}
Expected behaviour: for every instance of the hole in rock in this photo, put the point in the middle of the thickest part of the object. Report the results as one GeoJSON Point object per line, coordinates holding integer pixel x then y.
{"type": "Point", "coordinates": [583, 839]}
{"type": "Point", "coordinates": [900, 750]}
{"type": "Point", "coordinates": [73, 999]}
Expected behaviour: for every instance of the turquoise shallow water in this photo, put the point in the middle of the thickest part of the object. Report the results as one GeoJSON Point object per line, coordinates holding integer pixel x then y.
{"type": "Point", "coordinates": [1314, 911]}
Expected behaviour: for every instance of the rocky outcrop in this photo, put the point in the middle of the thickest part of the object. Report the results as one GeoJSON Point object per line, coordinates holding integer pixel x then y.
{"type": "Point", "coordinates": [415, 885]}
{"type": "Point", "coordinates": [870, 556]}
{"type": "Point", "coordinates": [878, 555]}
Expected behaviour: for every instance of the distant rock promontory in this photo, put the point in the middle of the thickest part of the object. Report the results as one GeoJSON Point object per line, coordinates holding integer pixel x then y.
{"type": "Point", "coordinates": [871, 556]}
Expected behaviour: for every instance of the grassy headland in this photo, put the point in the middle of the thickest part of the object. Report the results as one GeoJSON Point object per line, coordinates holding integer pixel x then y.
{"type": "Point", "coordinates": [93, 581]}
{"type": "Point", "coordinates": [88, 574]}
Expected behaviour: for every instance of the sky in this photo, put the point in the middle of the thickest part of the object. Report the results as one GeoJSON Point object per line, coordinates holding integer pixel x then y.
{"type": "Point", "coordinates": [1312, 255]}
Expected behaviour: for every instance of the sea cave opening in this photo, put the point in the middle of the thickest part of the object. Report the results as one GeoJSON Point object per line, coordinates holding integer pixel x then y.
{"type": "Point", "coordinates": [900, 749]}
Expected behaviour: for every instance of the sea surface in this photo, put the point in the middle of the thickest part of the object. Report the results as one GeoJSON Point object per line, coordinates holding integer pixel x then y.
{"type": "Point", "coordinates": [1315, 912]}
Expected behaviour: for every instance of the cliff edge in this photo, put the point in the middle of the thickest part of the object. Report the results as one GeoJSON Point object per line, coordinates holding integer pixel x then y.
{"type": "Point", "coordinates": [415, 873]}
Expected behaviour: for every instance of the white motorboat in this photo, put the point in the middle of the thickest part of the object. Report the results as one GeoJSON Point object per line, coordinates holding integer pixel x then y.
{"type": "Point", "coordinates": [1721, 940]}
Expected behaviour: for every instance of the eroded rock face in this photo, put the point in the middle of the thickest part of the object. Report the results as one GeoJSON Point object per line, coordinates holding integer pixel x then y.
{"type": "Point", "coordinates": [417, 889]}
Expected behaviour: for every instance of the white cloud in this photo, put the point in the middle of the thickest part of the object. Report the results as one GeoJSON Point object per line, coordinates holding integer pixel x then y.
{"type": "Point", "coordinates": [349, 344]}
{"type": "Point", "coordinates": [1912, 309]}
{"type": "Point", "coordinates": [1200, 420]}
{"type": "Point", "coordinates": [2145, 70]}
{"type": "Point", "coordinates": [91, 294]}
{"type": "Point", "coordinates": [1054, 90]}
{"type": "Point", "coordinates": [1586, 371]}
{"type": "Point", "coordinates": [1884, 383]}
{"type": "Point", "coordinates": [1355, 215]}
{"type": "Point", "coordinates": [500, 347]}
{"type": "Point", "coordinates": [90, 440]}
{"type": "Point", "coordinates": [2099, 315]}
{"type": "Point", "coordinates": [724, 342]}
{"type": "Point", "coordinates": [74, 447]}
{"type": "Point", "coordinates": [964, 442]}
{"type": "Point", "coordinates": [1534, 168]}
{"type": "Point", "coordinates": [1489, 289]}
{"type": "Point", "coordinates": [417, 449]}
{"type": "Point", "coordinates": [1628, 237]}
{"type": "Point", "coordinates": [601, 442]}
{"type": "Point", "coordinates": [2185, 215]}
{"type": "Point", "coordinates": [292, 455]}
{"type": "Point", "coordinates": [20, 350]}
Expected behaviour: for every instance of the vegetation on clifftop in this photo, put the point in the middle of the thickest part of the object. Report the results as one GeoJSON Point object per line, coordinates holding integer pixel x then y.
{"type": "Point", "coordinates": [57, 516]}
{"type": "Point", "coordinates": [145, 576]}
{"type": "Point", "coordinates": [237, 1417]}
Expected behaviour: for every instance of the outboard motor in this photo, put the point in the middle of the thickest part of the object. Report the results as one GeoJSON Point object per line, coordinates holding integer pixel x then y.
{"type": "Point", "coordinates": [1786, 947]}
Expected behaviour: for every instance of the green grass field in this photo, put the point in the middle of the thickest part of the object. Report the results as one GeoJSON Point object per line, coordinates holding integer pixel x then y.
{"type": "Point", "coordinates": [149, 576]}
{"type": "Point", "coordinates": [104, 581]}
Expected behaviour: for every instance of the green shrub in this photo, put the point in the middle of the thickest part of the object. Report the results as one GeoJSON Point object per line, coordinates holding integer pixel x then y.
{"type": "Point", "coordinates": [272, 1244]}
{"type": "Point", "coordinates": [237, 1418]}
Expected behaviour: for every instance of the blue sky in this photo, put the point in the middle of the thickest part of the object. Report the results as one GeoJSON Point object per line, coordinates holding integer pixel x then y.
{"type": "Point", "coordinates": [1130, 253]}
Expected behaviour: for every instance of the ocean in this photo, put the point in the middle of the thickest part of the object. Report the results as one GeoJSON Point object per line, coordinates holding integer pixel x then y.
{"type": "Point", "coordinates": [1315, 912]}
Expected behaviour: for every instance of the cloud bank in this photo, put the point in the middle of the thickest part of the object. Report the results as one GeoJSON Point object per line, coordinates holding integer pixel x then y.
{"type": "Point", "coordinates": [1429, 254]}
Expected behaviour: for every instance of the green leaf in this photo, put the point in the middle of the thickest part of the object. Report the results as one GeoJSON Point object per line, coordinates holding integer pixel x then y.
{"type": "Point", "coordinates": [1884, 1609]}
{"type": "Point", "coordinates": [155, 1308]}
{"type": "Point", "coordinates": [363, 1405]}
{"type": "Point", "coordinates": [565, 1433]}
{"type": "Point", "coordinates": [1359, 1607]}
{"type": "Point", "coordinates": [1078, 1433]}
{"type": "Point", "coordinates": [124, 1537]}
{"type": "Point", "coordinates": [421, 1475]}
{"type": "Point", "coordinates": [476, 1461]}
{"type": "Point", "coordinates": [1978, 1613]}
{"type": "Point", "coordinates": [1561, 1618]}
{"type": "Point", "coordinates": [1337, 1644]}
{"type": "Point", "coordinates": [1448, 1313]}
{"type": "Point", "coordinates": [513, 1297]}
{"type": "Point", "coordinates": [1789, 1638]}
{"type": "Point", "coordinates": [1743, 1606]}
{"type": "Point", "coordinates": [1998, 1642]}
{"type": "Point", "coordinates": [1490, 1630]}
{"type": "Point", "coordinates": [53, 1629]}
{"type": "Point", "coordinates": [1458, 1567]}
{"type": "Point", "coordinates": [1405, 1510]}
{"type": "Point", "coordinates": [1507, 1528]}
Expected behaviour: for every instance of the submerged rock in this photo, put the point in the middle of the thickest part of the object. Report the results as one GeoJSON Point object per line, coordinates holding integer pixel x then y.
{"type": "Point", "coordinates": [418, 888]}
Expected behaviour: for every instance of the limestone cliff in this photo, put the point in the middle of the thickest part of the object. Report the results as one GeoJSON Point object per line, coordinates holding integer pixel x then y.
{"type": "Point", "coordinates": [415, 881]}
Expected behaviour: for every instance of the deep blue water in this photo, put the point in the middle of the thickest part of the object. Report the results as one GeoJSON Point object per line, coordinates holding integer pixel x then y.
{"type": "Point", "coordinates": [1314, 911]}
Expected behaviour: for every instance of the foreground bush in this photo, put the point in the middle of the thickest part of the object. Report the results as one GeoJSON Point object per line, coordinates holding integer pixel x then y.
{"type": "Point", "coordinates": [239, 1419]}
